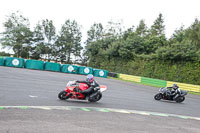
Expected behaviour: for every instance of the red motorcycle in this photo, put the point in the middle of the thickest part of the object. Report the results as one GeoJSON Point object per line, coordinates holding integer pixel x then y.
{"type": "Point", "coordinates": [73, 91]}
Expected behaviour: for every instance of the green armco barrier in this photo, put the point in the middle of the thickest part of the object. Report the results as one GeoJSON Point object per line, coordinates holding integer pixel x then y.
{"type": "Point", "coordinates": [49, 66]}
{"type": "Point", "coordinates": [14, 62]}
{"type": "Point", "coordinates": [85, 70]}
{"type": "Point", "coordinates": [34, 64]}
{"type": "Point", "coordinates": [1, 61]}
{"type": "Point", "coordinates": [157, 82]}
{"type": "Point", "coordinates": [100, 73]}
{"type": "Point", "coordinates": [66, 68]}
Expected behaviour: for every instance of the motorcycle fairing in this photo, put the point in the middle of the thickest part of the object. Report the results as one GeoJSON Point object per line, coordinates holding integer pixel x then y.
{"type": "Point", "coordinates": [83, 86]}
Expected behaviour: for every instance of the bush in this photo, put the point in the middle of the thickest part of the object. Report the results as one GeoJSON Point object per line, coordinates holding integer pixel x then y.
{"type": "Point", "coordinates": [179, 71]}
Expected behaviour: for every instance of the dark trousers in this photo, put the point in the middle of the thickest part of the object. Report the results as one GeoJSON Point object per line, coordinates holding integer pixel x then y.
{"type": "Point", "coordinates": [87, 92]}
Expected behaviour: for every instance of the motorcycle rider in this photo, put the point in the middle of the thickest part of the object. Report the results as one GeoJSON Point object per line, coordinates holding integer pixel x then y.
{"type": "Point", "coordinates": [174, 89]}
{"type": "Point", "coordinates": [91, 83]}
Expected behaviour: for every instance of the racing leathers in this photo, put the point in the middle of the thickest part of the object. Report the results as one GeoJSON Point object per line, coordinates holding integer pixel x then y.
{"type": "Point", "coordinates": [174, 90]}
{"type": "Point", "coordinates": [91, 85]}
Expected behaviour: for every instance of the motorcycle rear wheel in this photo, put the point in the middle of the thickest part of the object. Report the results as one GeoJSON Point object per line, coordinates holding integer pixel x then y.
{"type": "Point", "coordinates": [180, 99]}
{"type": "Point", "coordinates": [158, 96]}
{"type": "Point", "coordinates": [63, 95]}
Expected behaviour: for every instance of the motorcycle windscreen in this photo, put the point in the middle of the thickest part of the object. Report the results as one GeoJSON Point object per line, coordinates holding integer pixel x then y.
{"type": "Point", "coordinates": [83, 86]}
{"type": "Point", "coordinates": [183, 92]}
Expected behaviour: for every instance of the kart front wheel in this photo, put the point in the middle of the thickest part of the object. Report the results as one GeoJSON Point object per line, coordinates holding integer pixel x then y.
{"type": "Point", "coordinates": [95, 98]}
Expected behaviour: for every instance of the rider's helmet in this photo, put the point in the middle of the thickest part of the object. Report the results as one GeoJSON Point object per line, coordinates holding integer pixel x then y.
{"type": "Point", "coordinates": [90, 78]}
{"type": "Point", "coordinates": [175, 86]}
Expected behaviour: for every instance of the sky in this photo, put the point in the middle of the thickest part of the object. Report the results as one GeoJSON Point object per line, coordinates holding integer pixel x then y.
{"type": "Point", "coordinates": [87, 12]}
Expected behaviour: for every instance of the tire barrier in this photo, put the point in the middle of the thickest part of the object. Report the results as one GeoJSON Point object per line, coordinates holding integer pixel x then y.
{"type": "Point", "coordinates": [100, 73]}
{"type": "Point", "coordinates": [67, 68]}
{"type": "Point", "coordinates": [1, 61]}
{"type": "Point", "coordinates": [85, 70]}
{"type": "Point", "coordinates": [156, 82]}
{"type": "Point", "coordinates": [49, 66]}
{"type": "Point", "coordinates": [115, 75]}
{"type": "Point", "coordinates": [34, 64]}
{"type": "Point", "coordinates": [14, 62]}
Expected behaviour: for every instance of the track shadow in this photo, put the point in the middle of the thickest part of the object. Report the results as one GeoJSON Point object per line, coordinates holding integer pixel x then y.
{"type": "Point", "coordinates": [168, 101]}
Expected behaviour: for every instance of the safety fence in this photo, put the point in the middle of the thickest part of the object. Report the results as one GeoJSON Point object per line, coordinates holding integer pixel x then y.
{"type": "Point", "coordinates": [50, 66]}
{"type": "Point", "coordinates": [159, 83]}
{"type": "Point", "coordinates": [111, 74]}
{"type": "Point", "coordinates": [1, 61]}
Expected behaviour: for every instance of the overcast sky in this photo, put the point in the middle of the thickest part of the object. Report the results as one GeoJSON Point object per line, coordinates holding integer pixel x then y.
{"type": "Point", "coordinates": [86, 12]}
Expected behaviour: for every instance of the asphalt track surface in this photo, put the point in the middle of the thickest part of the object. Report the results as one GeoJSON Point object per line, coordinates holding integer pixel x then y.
{"type": "Point", "coordinates": [25, 87]}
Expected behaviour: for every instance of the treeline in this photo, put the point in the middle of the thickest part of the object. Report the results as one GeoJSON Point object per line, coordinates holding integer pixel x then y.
{"type": "Point", "coordinates": [146, 51]}
{"type": "Point", "coordinates": [139, 50]}
{"type": "Point", "coordinates": [43, 42]}
{"type": "Point", "coordinates": [144, 43]}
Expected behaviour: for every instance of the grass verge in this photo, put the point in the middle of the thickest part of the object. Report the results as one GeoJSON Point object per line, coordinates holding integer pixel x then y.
{"type": "Point", "coordinates": [190, 92]}
{"type": "Point", "coordinates": [134, 82]}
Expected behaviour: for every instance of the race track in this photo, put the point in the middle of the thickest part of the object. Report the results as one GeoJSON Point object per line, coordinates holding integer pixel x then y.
{"type": "Point", "coordinates": [25, 87]}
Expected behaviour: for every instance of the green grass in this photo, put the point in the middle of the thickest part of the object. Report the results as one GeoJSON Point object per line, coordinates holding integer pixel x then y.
{"type": "Point", "coordinates": [134, 82]}
{"type": "Point", "coordinates": [194, 93]}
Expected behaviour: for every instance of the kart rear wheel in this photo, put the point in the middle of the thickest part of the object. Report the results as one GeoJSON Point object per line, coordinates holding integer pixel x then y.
{"type": "Point", "coordinates": [63, 95]}
{"type": "Point", "coordinates": [180, 99]}
{"type": "Point", "coordinates": [158, 96]}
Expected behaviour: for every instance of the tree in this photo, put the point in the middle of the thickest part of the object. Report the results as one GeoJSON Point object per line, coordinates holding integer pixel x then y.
{"type": "Point", "coordinates": [153, 43]}
{"type": "Point", "coordinates": [95, 33]}
{"type": "Point", "coordinates": [158, 28]}
{"type": "Point", "coordinates": [134, 44]}
{"type": "Point", "coordinates": [38, 47]}
{"type": "Point", "coordinates": [113, 49]}
{"type": "Point", "coordinates": [94, 41]}
{"type": "Point", "coordinates": [17, 35]}
{"type": "Point", "coordinates": [179, 52]}
{"type": "Point", "coordinates": [69, 40]}
{"type": "Point", "coordinates": [193, 33]}
{"type": "Point", "coordinates": [4, 54]}
{"type": "Point", "coordinates": [84, 58]}
{"type": "Point", "coordinates": [114, 29]}
{"type": "Point", "coordinates": [127, 33]}
{"type": "Point", "coordinates": [156, 37]}
{"type": "Point", "coordinates": [142, 30]}
{"type": "Point", "coordinates": [49, 35]}
{"type": "Point", "coordinates": [178, 36]}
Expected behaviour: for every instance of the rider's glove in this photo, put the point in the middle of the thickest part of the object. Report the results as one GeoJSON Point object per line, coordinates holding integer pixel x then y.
{"type": "Point", "coordinates": [96, 88]}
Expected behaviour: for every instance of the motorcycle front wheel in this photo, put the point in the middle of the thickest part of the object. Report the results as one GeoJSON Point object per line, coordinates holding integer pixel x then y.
{"type": "Point", "coordinates": [95, 98]}
{"type": "Point", "coordinates": [63, 95]}
{"type": "Point", "coordinates": [158, 96]}
{"type": "Point", "coordinates": [180, 99]}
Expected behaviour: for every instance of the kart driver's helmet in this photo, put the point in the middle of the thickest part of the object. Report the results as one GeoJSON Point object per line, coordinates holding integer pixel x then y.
{"type": "Point", "coordinates": [90, 78]}
{"type": "Point", "coordinates": [175, 86]}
